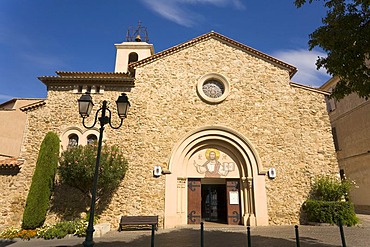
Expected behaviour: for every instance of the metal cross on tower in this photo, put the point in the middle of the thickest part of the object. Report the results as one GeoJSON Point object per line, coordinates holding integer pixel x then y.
{"type": "Point", "coordinates": [137, 34]}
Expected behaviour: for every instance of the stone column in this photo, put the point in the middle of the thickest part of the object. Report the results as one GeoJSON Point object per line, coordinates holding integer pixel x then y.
{"type": "Point", "coordinates": [244, 189]}
{"type": "Point", "coordinates": [252, 218]}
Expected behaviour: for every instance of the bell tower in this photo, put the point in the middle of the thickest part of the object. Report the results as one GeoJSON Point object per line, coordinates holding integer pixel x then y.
{"type": "Point", "coordinates": [135, 48]}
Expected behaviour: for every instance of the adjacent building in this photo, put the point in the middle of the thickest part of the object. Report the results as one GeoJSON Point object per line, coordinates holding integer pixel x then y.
{"type": "Point", "coordinates": [14, 181]}
{"type": "Point", "coordinates": [350, 121]}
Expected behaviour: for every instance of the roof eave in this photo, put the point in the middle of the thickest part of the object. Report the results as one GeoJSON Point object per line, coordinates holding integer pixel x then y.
{"type": "Point", "coordinates": [33, 106]}
{"type": "Point", "coordinates": [49, 81]}
{"type": "Point", "coordinates": [329, 83]}
{"type": "Point", "coordinates": [93, 73]}
{"type": "Point", "coordinates": [312, 89]}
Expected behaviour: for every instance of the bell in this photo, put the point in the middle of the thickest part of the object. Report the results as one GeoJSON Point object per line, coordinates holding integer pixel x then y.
{"type": "Point", "coordinates": [138, 38]}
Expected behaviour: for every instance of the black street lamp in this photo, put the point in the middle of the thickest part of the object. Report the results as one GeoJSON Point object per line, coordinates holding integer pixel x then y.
{"type": "Point", "coordinates": [85, 106]}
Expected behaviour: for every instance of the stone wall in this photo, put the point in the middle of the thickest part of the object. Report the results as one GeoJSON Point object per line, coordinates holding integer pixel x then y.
{"type": "Point", "coordinates": [13, 197]}
{"type": "Point", "coordinates": [288, 126]}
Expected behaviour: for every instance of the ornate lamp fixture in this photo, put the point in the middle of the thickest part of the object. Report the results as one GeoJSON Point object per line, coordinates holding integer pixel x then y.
{"type": "Point", "coordinates": [85, 106]}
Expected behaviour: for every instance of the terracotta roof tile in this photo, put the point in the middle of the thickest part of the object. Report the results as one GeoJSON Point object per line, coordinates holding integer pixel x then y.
{"type": "Point", "coordinates": [33, 106]}
{"type": "Point", "coordinates": [106, 78]}
{"type": "Point", "coordinates": [11, 163]}
{"type": "Point", "coordinates": [93, 74]}
{"type": "Point", "coordinates": [2, 105]}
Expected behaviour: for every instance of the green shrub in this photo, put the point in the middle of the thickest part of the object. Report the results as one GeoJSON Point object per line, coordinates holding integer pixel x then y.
{"type": "Point", "coordinates": [80, 228]}
{"type": "Point", "coordinates": [77, 166]}
{"type": "Point", "coordinates": [326, 204]}
{"type": "Point", "coordinates": [330, 212]}
{"type": "Point", "coordinates": [330, 189]}
{"type": "Point", "coordinates": [9, 233]}
{"type": "Point", "coordinates": [37, 202]}
{"type": "Point", "coordinates": [59, 230]}
{"type": "Point", "coordinates": [62, 229]}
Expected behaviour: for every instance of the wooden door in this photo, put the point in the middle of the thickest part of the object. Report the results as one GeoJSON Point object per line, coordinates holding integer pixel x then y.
{"type": "Point", "coordinates": [194, 201]}
{"type": "Point", "coordinates": [233, 201]}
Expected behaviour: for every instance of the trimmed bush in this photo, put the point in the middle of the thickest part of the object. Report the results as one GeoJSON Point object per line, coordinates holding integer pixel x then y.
{"type": "Point", "coordinates": [330, 212]}
{"type": "Point", "coordinates": [327, 205]}
{"type": "Point", "coordinates": [37, 202]}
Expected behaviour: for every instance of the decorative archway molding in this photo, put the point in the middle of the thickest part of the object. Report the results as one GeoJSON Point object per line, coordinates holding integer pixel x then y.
{"type": "Point", "coordinates": [252, 174]}
{"type": "Point", "coordinates": [81, 133]}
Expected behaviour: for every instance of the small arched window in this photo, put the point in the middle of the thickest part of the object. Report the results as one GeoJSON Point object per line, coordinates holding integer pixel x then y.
{"type": "Point", "coordinates": [91, 139]}
{"type": "Point", "coordinates": [133, 57]}
{"type": "Point", "coordinates": [72, 140]}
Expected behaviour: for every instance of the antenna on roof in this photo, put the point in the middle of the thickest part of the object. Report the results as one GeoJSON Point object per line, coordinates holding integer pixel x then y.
{"type": "Point", "coordinates": [137, 34]}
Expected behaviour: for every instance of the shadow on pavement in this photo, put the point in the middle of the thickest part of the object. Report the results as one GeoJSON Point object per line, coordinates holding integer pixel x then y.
{"type": "Point", "coordinates": [191, 238]}
{"type": "Point", "coordinates": [314, 242]}
{"type": "Point", "coordinates": [4, 243]}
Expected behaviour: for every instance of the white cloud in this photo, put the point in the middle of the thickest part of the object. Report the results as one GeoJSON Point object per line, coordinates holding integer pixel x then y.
{"type": "Point", "coordinates": [305, 61]}
{"type": "Point", "coordinates": [176, 11]}
{"type": "Point", "coordinates": [41, 61]}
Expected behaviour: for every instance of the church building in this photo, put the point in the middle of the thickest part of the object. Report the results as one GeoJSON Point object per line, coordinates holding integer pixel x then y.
{"type": "Point", "coordinates": [217, 131]}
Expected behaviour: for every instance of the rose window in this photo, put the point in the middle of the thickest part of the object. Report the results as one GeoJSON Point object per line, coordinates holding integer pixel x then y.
{"type": "Point", "coordinates": [213, 89]}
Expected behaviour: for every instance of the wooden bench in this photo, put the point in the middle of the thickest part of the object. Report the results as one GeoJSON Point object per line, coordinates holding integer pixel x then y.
{"type": "Point", "coordinates": [138, 221]}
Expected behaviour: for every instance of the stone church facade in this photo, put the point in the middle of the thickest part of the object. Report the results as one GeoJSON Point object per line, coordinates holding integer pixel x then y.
{"type": "Point", "coordinates": [236, 140]}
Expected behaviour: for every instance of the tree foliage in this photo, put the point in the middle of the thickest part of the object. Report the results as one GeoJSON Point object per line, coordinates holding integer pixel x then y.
{"type": "Point", "coordinates": [77, 166]}
{"type": "Point", "coordinates": [38, 197]}
{"type": "Point", "coordinates": [345, 38]}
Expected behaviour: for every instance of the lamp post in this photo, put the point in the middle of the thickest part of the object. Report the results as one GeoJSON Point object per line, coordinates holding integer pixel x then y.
{"type": "Point", "coordinates": [85, 106]}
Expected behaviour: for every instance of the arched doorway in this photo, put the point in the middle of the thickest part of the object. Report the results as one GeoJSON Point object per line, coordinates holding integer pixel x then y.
{"type": "Point", "coordinates": [216, 175]}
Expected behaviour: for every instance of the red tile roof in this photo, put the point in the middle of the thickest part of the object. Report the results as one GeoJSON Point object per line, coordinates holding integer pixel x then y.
{"type": "Point", "coordinates": [105, 78]}
{"type": "Point", "coordinates": [11, 163]}
{"type": "Point", "coordinates": [92, 74]}
{"type": "Point", "coordinates": [33, 106]}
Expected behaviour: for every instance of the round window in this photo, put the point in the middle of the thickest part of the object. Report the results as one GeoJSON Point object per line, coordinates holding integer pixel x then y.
{"type": "Point", "coordinates": [213, 88]}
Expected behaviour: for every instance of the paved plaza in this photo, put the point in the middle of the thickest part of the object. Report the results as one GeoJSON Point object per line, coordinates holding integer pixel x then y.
{"type": "Point", "coordinates": [221, 236]}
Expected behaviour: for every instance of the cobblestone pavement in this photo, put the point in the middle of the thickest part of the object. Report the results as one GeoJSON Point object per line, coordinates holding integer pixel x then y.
{"type": "Point", "coordinates": [221, 236]}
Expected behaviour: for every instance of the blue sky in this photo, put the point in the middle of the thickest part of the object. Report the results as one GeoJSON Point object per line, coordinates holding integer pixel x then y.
{"type": "Point", "coordinates": [40, 37]}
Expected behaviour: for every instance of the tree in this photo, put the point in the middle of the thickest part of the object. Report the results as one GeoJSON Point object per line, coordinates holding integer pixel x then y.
{"type": "Point", "coordinates": [37, 202]}
{"type": "Point", "coordinates": [77, 166]}
{"type": "Point", "coordinates": [345, 38]}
